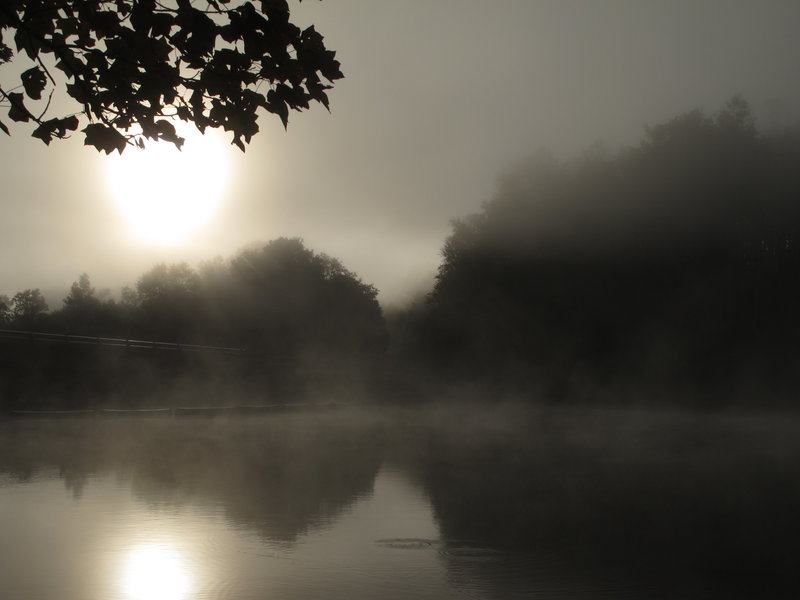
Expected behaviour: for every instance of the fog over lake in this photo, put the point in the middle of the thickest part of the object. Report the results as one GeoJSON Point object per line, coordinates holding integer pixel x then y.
{"type": "Point", "coordinates": [416, 503]}
{"type": "Point", "coordinates": [395, 300]}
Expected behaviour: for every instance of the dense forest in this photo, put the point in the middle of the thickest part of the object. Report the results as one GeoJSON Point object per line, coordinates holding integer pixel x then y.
{"type": "Point", "coordinates": [299, 318]}
{"type": "Point", "coordinates": [667, 270]}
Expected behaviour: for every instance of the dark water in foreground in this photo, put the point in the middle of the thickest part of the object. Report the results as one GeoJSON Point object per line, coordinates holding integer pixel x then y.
{"type": "Point", "coordinates": [411, 504]}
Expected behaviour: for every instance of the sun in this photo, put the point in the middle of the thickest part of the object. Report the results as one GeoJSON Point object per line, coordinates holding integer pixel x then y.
{"type": "Point", "coordinates": [155, 572]}
{"type": "Point", "coordinates": [165, 193]}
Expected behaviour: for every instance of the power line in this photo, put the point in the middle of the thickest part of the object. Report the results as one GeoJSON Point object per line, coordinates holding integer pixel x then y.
{"type": "Point", "coordinates": [12, 336]}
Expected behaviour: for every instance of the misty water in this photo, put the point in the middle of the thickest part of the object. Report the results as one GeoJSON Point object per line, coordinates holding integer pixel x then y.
{"type": "Point", "coordinates": [412, 503]}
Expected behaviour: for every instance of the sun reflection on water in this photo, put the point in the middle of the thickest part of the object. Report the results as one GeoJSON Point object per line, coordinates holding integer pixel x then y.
{"type": "Point", "coordinates": [155, 572]}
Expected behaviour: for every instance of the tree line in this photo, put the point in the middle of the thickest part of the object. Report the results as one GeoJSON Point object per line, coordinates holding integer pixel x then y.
{"type": "Point", "coordinates": [300, 316]}
{"type": "Point", "coordinates": [668, 269]}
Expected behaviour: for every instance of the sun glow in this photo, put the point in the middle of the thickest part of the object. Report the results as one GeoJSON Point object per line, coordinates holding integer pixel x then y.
{"type": "Point", "coordinates": [167, 194]}
{"type": "Point", "coordinates": [155, 572]}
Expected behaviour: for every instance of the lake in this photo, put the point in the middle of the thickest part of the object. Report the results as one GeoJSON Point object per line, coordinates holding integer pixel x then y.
{"type": "Point", "coordinates": [447, 502]}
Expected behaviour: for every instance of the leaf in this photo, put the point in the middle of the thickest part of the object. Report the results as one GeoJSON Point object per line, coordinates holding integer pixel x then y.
{"type": "Point", "coordinates": [142, 16]}
{"type": "Point", "coordinates": [104, 137]}
{"type": "Point", "coordinates": [18, 112]}
{"type": "Point", "coordinates": [26, 42]}
{"type": "Point", "coordinates": [68, 26]}
{"type": "Point", "coordinates": [330, 67]}
{"type": "Point", "coordinates": [166, 131]}
{"type": "Point", "coordinates": [149, 129]}
{"type": "Point", "coordinates": [123, 7]}
{"type": "Point", "coordinates": [69, 123]}
{"type": "Point", "coordinates": [162, 24]}
{"type": "Point", "coordinates": [55, 127]}
{"type": "Point", "coordinates": [4, 128]}
{"type": "Point", "coordinates": [34, 81]}
{"type": "Point", "coordinates": [201, 32]}
{"type": "Point", "coordinates": [95, 59]}
{"type": "Point", "coordinates": [44, 132]}
{"type": "Point", "coordinates": [276, 10]}
{"type": "Point", "coordinates": [276, 105]}
{"type": "Point", "coordinates": [6, 54]}
{"type": "Point", "coordinates": [105, 22]}
{"type": "Point", "coordinates": [77, 92]}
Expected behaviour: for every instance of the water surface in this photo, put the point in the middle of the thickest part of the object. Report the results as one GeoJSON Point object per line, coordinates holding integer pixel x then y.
{"type": "Point", "coordinates": [409, 504]}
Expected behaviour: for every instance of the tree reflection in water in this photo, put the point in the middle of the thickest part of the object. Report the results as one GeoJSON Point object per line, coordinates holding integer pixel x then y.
{"type": "Point", "coordinates": [611, 503]}
{"type": "Point", "coordinates": [584, 504]}
{"type": "Point", "coordinates": [279, 475]}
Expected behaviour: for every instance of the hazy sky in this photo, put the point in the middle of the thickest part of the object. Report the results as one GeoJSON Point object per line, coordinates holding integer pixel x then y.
{"type": "Point", "coordinates": [440, 96]}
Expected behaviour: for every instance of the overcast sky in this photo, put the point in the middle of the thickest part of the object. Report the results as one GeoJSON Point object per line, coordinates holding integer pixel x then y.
{"type": "Point", "coordinates": [440, 96]}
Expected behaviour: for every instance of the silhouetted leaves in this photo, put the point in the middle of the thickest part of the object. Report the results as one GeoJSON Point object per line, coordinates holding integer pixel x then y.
{"type": "Point", "coordinates": [17, 112]}
{"type": "Point", "coordinates": [131, 64]}
{"type": "Point", "coordinates": [34, 81]}
{"type": "Point", "coordinates": [166, 131]}
{"type": "Point", "coordinates": [104, 137]}
{"type": "Point", "coordinates": [55, 128]}
{"type": "Point", "coordinates": [6, 53]}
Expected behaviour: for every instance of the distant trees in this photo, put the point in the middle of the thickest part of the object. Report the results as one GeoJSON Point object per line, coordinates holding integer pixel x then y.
{"type": "Point", "coordinates": [304, 319]}
{"type": "Point", "coordinates": [82, 296]}
{"type": "Point", "coordinates": [5, 310]}
{"type": "Point", "coordinates": [279, 298]}
{"type": "Point", "coordinates": [669, 266]}
{"type": "Point", "coordinates": [288, 299]}
{"type": "Point", "coordinates": [84, 312]}
{"type": "Point", "coordinates": [676, 262]}
{"type": "Point", "coordinates": [166, 302]}
{"type": "Point", "coordinates": [28, 308]}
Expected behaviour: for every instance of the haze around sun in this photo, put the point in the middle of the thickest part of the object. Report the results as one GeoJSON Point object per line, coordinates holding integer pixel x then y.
{"type": "Point", "coordinates": [166, 194]}
{"type": "Point", "coordinates": [420, 131]}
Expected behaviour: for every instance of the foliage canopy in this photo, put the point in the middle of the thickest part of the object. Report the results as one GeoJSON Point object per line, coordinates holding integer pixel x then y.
{"type": "Point", "coordinates": [676, 262]}
{"type": "Point", "coordinates": [132, 65]}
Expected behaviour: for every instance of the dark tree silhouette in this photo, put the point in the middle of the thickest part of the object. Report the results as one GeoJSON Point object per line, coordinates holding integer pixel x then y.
{"type": "Point", "coordinates": [5, 310]}
{"type": "Point", "coordinates": [676, 263]}
{"type": "Point", "coordinates": [166, 303]}
{"type": "Point", "coordinates": [85, 313]}
{"type": "Point", "coordinates": [81, 294]}
{"type": "Point", "coordinates": [131, 65]}
{"type": "Point", "coordinates": [306, 322]}
{"type": "Point", "coordinates": [27, 308]}
{"type": "Point", "coordinates": [292, 302]}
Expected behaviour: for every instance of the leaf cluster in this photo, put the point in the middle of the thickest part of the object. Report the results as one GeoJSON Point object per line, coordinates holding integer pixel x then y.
{"type": "Point", "coordinates": [133, 65]}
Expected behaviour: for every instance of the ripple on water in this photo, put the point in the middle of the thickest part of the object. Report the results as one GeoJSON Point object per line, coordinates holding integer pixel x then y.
{"type": "Point", "coordinates": [211, 558]}
{"type": "Point", "coordinates": [469, 552]}
{"type": "Point", "coordinates": [221, 589]}
{"type": "Point", "coordinates": [406, 543]}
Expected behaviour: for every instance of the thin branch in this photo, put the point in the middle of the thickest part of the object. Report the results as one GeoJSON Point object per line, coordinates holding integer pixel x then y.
{"type": "Point", "coordinates": [56, 50]}
{"type": "Point", "coordinates": [49, 99]}
{"type": "Point", "coordinates": [45, 69]}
